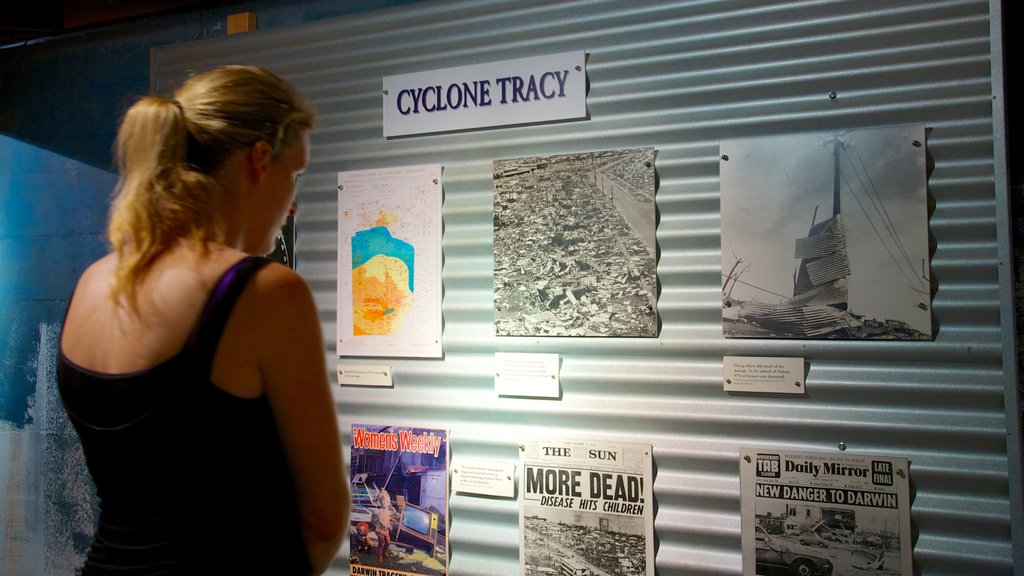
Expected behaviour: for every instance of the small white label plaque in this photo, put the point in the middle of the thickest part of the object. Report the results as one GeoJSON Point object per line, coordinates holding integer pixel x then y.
{"type": "Point", "coordinates": [486, 477]}
{"type": "Point", "coordinates": [518, 374]}
{"type": "Point", "coordinates": [364, 375]}
{"type": "Point", "coordinates": [763, 374]}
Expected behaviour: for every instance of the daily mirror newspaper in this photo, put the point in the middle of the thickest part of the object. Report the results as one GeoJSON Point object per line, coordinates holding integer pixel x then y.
{"type": "Point", "coordinates": [824, 514]}
{"type": "Point", "coordinates": [585, 509]}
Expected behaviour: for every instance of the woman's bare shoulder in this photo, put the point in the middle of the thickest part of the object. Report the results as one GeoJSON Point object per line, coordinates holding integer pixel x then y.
{"type": "Point", "coordinates": [99, 272]}
{"type": "Point", "coordinates": [279, 297]}
{"type": "Point", "coordinates": [105, 333]}
{"type": "Point", "coordinates": [276, 279]}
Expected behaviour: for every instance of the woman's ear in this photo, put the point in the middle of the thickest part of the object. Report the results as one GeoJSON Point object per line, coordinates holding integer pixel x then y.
{"type": "Point", "coordinates": [259, 160]}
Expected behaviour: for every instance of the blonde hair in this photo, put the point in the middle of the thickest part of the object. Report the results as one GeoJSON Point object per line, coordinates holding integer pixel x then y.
{"type": "Point", "coordinates": [168, 150]}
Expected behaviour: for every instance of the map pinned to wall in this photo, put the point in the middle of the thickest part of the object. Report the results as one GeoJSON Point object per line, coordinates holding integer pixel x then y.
{"type": "Point", "coordinates": [389, 262]}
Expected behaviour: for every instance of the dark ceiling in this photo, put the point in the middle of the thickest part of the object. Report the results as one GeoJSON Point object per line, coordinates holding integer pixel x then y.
{"type": "Point", "coordinates": [34, 19]}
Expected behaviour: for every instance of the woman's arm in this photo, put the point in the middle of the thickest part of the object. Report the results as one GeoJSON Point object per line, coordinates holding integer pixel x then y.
{"type": "Point", "coordinates": [290, 355]}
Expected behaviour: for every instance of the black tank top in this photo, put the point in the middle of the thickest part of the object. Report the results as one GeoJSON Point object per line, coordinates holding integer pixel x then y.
{"type": "Point", "coordinates": [190, 479]}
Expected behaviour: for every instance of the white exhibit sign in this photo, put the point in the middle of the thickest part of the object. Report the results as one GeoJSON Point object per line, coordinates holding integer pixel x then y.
{"type": "Point", "coordinates": [364, 375]}
{"type": "Point", "coordinates": [484, 477]}
{"type": "Point", "coordinates": [523, 91]}
{"type": "Point", "coordinates": [778, 375]}
{"type": "Point", "coordinates": [522, 374]}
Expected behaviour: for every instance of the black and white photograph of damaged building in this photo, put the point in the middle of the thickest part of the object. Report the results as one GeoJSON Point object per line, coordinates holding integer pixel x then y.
{"type": "Point", "coordinates": [574, 245]}
{"type": "Point", "coordinates": [826, 236]}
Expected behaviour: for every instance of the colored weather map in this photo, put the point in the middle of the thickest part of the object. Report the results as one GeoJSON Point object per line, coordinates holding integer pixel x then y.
{"type": "Point", "coordinates": [382, 279]}
{"type": "Point", "coordinates": [389, 262]}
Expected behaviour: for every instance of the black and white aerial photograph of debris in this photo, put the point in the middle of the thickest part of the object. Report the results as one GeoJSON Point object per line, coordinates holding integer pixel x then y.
{"type": "Point", "coordinates": [825, 235]}
{"type": "Point", "coordinates": [574, 245]}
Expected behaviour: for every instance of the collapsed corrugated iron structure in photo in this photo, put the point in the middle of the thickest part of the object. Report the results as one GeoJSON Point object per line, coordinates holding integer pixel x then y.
{"type": "Point", "coordinates": [818, 306]}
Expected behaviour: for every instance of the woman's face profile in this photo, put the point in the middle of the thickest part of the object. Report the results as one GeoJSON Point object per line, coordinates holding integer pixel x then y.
{"type": "Point", "coordinates": [275, 197]}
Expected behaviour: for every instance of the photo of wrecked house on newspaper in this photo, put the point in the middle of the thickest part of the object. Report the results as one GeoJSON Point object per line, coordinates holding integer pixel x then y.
{"type": "Point", "coordinates": [826, 236]}
{"type": "Point", "coordinates": [574, 245]}
{"type": "Point", "coordinates": [399, 520]}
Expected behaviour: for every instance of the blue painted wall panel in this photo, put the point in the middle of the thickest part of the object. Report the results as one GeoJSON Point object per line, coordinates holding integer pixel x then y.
{"type": "Point", "coordinates": [36, 204]}
{"type": "Point", "coordinates": [52, 211]}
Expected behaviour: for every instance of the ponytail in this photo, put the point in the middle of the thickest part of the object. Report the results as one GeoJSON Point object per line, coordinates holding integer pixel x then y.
{"type": "Point", "coordinates": [168, 151]}
{"type": "Point", "coordinates": [158, 198]}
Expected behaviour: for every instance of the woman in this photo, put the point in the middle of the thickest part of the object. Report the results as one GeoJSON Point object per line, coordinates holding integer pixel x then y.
{"type": "Point", "coordinates": [192, 370]}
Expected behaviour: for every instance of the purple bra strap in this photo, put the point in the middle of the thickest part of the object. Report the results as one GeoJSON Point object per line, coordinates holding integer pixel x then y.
{"type": "Point", "coordinates": [203, 341]}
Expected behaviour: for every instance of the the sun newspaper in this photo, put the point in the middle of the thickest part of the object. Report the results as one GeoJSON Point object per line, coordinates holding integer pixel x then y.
{"type": "Point", "coordinates": [585, 508]}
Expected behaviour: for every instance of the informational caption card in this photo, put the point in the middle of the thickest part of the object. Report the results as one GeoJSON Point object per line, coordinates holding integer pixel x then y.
{"type": "Point", "coordinates": [763, 374]}
{"type": "Point", "coordinates": [520, 374]}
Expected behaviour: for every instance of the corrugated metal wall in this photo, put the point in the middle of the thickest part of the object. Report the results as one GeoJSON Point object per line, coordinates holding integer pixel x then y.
{"type": "Point", "coordinates": [681, 76]}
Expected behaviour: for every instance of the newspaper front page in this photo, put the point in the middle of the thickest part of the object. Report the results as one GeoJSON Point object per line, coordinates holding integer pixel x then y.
{"type": "Point", "coordinates": [824, 514]}
{"type": "Point", "coordinates": [585, 509]}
